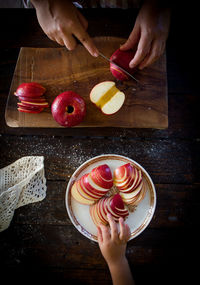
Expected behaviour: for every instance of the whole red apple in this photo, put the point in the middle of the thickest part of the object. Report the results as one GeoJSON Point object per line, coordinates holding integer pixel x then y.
{"type": "Point", "coordinates": [122, 58]}
{"type": "Point", "coordinates": [68, 109]}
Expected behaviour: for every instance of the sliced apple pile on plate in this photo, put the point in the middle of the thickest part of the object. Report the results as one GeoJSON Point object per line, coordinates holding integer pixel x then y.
{"type": "Point", "coordinates": [129, 180]}
{"type": "Point", "coordinates": [108, 205]}
{"type": "Point", "coordinates": [30, 96]}
{"type": "Point", "coordinates": [92, 186]}
{"type": "Point", "coordinates": [93, 189]}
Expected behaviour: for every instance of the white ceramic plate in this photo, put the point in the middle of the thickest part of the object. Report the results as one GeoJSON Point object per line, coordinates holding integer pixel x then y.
{"type": "Point", "coordinates": [79, 214]}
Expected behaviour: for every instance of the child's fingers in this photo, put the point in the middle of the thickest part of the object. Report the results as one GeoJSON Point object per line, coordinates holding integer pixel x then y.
{"type": "Point", "coordinates": [99, 235]}
{"type": "Point", "coordinates": [105, 232]}
{"type": "Point", "coordinates": [113, 227]}
{"type": "Point", "coordinates": [128, 232]}
{"type": "Point", "coordinates": [122, 235]}
{"type": "Point", "coordinates": [124, 231]}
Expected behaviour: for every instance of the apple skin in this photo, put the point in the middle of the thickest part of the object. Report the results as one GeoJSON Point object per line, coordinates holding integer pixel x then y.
{"type": "Point", "coordinates": [61, 112]}
{"type": "Point", "coordinates": [122, 58]}
{"type": "Point", "coordinates": [30, 89]}
{"type": "Point", "coordinates": [102, 176]}
{"type": "Point", "coordinates": [113, 205]}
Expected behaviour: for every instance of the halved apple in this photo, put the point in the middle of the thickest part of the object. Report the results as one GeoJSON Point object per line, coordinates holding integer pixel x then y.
{"type": "Point", "coordinates": [107, 97]}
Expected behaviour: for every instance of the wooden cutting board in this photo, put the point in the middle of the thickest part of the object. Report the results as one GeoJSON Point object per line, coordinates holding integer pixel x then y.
{"type": "Point", "coordinates": [57, 69]}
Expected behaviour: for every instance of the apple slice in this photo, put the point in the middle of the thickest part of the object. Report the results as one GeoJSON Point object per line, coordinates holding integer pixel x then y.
{"type": "Point", "coordinates": [107, 97]}
{"type": "Point", "coordinates": [79, 198]}
{"type": "Point", "coordinates": [36, 104]}
{"type": "Point", "coordinates": [28, 110]}
{"type": "Point", "coordinates": [113, 205]}
{"type": "Point", "coordinates": [102, 176]}
{"type": "Point", "coordinates": [30, 99]}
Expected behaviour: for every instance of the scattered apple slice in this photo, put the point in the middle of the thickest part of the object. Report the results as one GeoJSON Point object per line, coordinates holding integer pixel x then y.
{"type": "Point", "coordinates": [107, 97]}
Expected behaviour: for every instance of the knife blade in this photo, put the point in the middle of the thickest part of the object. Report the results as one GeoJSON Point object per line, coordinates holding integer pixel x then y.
{"type": "Point", "coordinates": [122, 69]}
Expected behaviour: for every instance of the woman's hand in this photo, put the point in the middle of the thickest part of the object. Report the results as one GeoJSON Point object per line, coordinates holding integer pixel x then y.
{"type": "Point", "coordinates": [63, 23]}
{"type": "Point", "coordinates": [149, 34]}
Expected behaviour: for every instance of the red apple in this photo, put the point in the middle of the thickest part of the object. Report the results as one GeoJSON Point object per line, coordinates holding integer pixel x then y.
{"type": "Point", "coordinates": [31, 89]}
{"type": "Point", "coordinates": [122, 58]}
{"type": "Point", "coordinates": [68, 109]}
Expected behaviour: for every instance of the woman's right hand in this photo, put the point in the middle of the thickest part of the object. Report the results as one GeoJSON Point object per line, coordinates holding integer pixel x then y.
{"type": "Point", "coordinates": [63, 23]}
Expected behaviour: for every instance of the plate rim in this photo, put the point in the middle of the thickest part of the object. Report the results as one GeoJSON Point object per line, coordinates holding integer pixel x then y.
{"type": "Point", "coordinates": [153, 196]}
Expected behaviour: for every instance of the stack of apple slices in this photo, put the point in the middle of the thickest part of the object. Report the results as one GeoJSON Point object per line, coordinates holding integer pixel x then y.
{"type": "Point", "coordinates": [30, 95]}
{"type": "Point", "coordinates": [128, 179]}
{"type": "Point", "coordinates": [92, 186]}
{"type": "Point", "coordinates": [108, 205]}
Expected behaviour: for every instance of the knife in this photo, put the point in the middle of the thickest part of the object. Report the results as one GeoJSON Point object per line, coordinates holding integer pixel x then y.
{"type": "Point", "coordinates": [122, 69]}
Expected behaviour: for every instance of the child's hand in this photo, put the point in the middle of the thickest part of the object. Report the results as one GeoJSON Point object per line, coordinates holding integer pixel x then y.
{"type": "Point", "coordinates": [61, 22]}
{"type": "Point", "coordinates": [113, 244]}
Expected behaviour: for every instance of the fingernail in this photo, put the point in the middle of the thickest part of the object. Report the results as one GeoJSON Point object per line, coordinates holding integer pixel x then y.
{"type": "Point", "coordinates": [131, 65]}
{"type": "Point", "coordinates": [96, 54]}
{"type": "Point", "coordinates": [109, 215]}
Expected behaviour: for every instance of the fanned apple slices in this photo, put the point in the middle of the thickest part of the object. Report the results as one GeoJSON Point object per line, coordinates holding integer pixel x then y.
{"type": "Point", "coordinates": [112, 205]}
{"type": "Point", "coordinates": [91, 189]}
{"type": "Point", "coordinates": [92, 186]}
{"type": "Point", "coordinates": [128, 179]}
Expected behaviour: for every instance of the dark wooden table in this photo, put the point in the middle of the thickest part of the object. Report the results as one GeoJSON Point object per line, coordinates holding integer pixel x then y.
{"type": "Point", "coordinates": [41, 243]}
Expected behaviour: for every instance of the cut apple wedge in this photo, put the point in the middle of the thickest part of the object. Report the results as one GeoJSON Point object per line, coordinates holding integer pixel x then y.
{"type": "Point", "coordinates": [107, 97]}
{"type": "Point", "coordinates": [102, 176]}
{"type": "Point", "coordinates": [113, 205]}
{"type": "Point", "coordinates": [79, 198]}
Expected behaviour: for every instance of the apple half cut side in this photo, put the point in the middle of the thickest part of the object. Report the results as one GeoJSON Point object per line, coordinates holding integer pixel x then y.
{"type": "Point", "coordinates": [107, 97]}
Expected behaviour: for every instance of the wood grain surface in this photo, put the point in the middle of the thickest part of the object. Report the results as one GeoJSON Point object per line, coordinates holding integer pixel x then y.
{"type": "Point", "coordinates": [59, 70]}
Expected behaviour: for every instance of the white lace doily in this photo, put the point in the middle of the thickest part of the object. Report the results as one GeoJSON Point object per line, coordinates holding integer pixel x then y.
{"type": "Point", "coordinates": [21, 183]}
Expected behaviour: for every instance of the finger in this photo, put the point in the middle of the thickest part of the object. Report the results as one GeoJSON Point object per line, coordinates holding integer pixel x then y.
{"type": "Point", "coordinates": [128, 232]}
{"type": "Point", "coordinates": [142, 50]}
{"type": "Point", "coordinates": [99, 235]}
{"type": "Point", "coordinates": [105, 232]}
{"type": "Point", "coordinates": [87, 42]}
{"type": "Point", "coordinates": [122, 235]}
{"type": "Point", "coordinates": [59, 41]}
{"type": "Point", "coordinates": [69, 41]}
{"type": "Point", "coordinates": [113, 227]}
{"type": "Point", "coordinates": [155, 52]}
{"type": "Point", "coordinates": [132, 40]}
